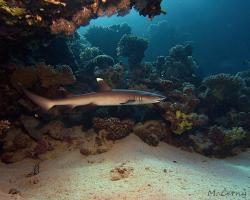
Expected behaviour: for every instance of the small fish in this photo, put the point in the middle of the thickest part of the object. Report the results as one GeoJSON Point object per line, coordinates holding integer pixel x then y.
{"type": "Point", "coordinates": [105, 97]}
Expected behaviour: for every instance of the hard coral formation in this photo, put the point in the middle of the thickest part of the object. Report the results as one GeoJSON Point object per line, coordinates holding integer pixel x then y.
{"type": "Point", "coordinates": [37, 19]}
{"type": "Point", "coordinates": [12, 10]}
{"type": "Point", "coordinates": [221, 92]}
{"type": "Point", "coordinates": [47, 75]}
{"type": "Point", "coordinates": [179, 65]}
{"type": "Point", "coordinates": [89, 53]}
{"type": "Point", "coordinates": [116, 128]}
{"type": "Point", "coordinates": [151, 131]}
{"type": "Point", "coordinates": [133, 48]}
{"type": "Point", "coordinates": [106, 38]}
{"type": "Point", "coordinates": [113, 75]}
{"type": "Point", "coordinates": [4, 125]}
{"type": "Point", "coordinates": [211, 118]}
{"type": "Point", "coordinates": [62, 26]}
{"type": "Point", "coordinates": [98, 63]}
{"type": "Point", "coordinates": [181, 122]}
{"type": "Point", "coordinates": [162, 37]}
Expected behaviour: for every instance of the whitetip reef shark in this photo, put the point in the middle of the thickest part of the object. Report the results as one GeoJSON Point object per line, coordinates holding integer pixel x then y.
{"type": "Point", "coordinates": [105, 97]}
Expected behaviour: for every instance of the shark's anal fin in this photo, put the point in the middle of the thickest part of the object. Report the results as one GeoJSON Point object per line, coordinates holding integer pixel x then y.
{"type": "Point", "coordinates": [103, 86]}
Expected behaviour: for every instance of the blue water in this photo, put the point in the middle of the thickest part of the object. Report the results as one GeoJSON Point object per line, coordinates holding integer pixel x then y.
{"type": "Point", "coordinates": [219, 30]}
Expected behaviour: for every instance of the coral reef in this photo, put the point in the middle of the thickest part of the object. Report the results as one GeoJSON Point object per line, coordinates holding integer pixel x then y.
{"type": "Point", "coordinates": [4, 125]}
{"type": "Point", "coordinates": [151, 132]}
{"type": "Point", "coordinates": [113, 75]}
{"type": "Point", "coordinates": [89, 53]}
{"type": "Point", "coordinates": [133, 48]}
{"type": "Point", "coordinates": [221, 93]}
{"type": "Point", "coordinates": [162, 36]}
{"type": "Point", "coordinates": [96, 145]}
{"type": "Point", "coordinates": [116, 129]}
{"type": "Point", "coordinates": [106, 38]}
{"type": "Point", "coordinates": [47, 75]}
{"type": "Point", "coordinates": [220, 142]}
{"type": "Point", "coordinates": [99, 66]}
{"type": "Point", "coordinates": [179, 65]}
{"type": "Point", "coordinates": [24, 18]}
{"type": "Point", "coordinates": [211, 117]}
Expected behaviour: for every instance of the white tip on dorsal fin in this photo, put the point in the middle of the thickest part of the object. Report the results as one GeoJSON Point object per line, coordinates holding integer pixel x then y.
{"type": "Point", "coordinates": [103, 86]}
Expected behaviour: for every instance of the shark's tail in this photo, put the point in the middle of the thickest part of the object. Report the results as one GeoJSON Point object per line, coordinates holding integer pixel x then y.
{"type": "Point", "coordinates": [44, 103]}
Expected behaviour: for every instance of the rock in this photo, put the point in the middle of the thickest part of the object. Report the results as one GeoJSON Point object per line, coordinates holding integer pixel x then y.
{"type": "Point", "coordinates": [11, 157]}
{"type": "Point", "coordinates": [151, 131]}
{"type": "Point", "coordinates": [57, 131]}
{"type": "Point", "coordinates": [21, 141]}
{"type": "Point", "coordinates": [7, 157]}
{"type": "Point", "coordinates": [201, 145]}
{"type": "Point", "coordinates": [31, 124]}
{"type": "Point", "coordinates": [14, 191]}
{"type": "Point", "coordinates": [96, 145]}
{"type": "Point", "coordinates": [41, 148]}
{"type": "Point", "coordinates": [121, 172]}
{"type": "Point", "coordinates": [9, 146]}
{"type": "Point", "coordinates": [152, 140]}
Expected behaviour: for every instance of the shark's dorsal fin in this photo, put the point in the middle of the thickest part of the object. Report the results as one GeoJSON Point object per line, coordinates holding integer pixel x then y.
{"type": "Point", "coordinates": [103, 86]}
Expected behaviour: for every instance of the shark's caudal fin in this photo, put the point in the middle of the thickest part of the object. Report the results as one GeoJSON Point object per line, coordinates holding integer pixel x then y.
{"type": "Point", "coordinates": [44, 103]}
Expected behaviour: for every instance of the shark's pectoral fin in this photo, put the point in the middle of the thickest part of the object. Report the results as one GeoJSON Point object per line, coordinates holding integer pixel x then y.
{"type": "Point", "coordinates": [103, 86]}
{"type": "Point", "coordinates": [129, 102]}
{"type": "Point", "coordinates": [82, 106]}
{"type": "Point", "coordinates": [72, 106]}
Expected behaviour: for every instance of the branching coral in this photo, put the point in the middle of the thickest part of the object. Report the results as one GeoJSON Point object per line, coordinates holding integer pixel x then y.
{"type": "Point", "coordinates": [133, 48]}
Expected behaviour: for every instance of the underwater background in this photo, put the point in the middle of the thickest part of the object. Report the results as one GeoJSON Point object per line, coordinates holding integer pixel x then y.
{"type": "Point", "coordinates": [195, 53]}
{"type": "Point", "coordinates": [219, 32]}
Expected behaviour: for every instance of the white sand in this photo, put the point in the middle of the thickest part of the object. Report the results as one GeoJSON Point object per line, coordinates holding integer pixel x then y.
{"type": "Point", "coordinates": [73, 176]}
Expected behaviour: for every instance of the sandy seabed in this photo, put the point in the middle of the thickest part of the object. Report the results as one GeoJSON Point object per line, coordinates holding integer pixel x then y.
{"type": "Point", "coordinates": [131, 170]}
